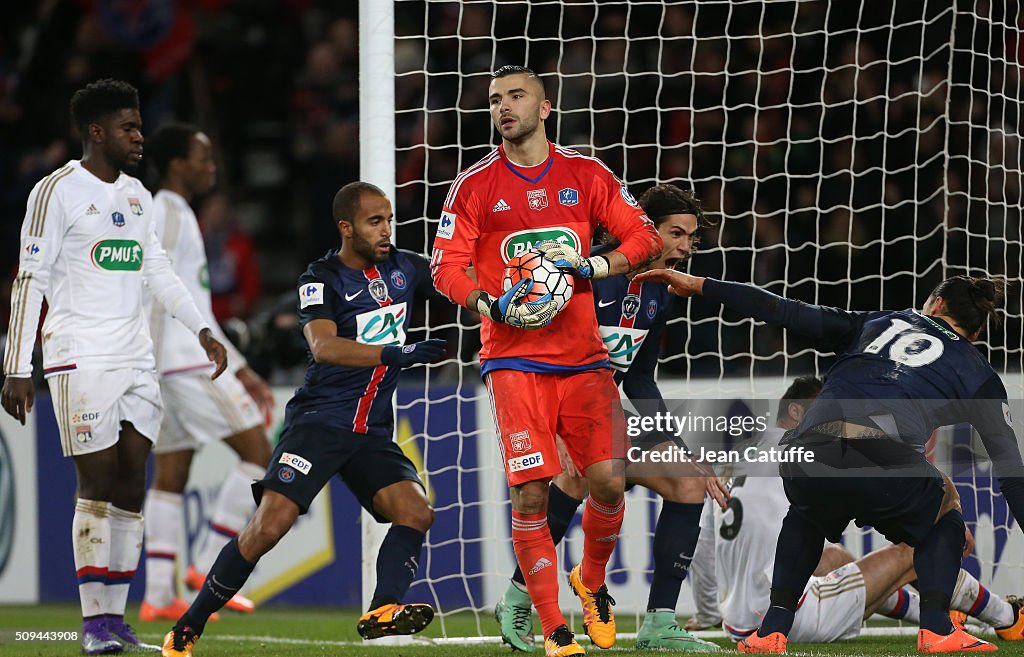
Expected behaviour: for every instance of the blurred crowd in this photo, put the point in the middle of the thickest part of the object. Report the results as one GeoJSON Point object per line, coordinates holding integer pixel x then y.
{"type": "Point", "coordinates": [855, 153]}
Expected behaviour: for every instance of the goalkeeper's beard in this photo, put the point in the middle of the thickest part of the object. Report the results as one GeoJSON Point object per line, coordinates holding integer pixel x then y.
{"type": "Point", "coordinates": [522, 132]}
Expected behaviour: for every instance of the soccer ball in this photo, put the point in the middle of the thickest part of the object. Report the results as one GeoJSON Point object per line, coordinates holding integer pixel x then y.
{"type": "Point", "coordinates": [546, 278]}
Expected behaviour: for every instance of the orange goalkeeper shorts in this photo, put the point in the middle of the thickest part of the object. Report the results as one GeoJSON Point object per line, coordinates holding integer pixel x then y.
{"type": "Point", "coordinates": [530, 408]}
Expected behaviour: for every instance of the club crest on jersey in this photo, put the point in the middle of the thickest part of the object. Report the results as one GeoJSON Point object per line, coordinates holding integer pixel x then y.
{"type": "Point", "coordinates": [135, 206]}
{"type": "Point", "coordinates": [568, 196]}
{"type": "Point", "coordinates": [652, 308]}
{"type": "Point", "coordinates": [118, 219]}
{"type": "Point", "coordinates": [399, 280]}
{"type": "Point", "coordinates": [520, 441]}
{"type": "Point", "coordinates": [627, 197]}
{"type": "Point", "coordinates": [537, 199]}
{"type": "Point", "coordinates": [378, 290]}
{"type": "Point", "coordinates": [630, 306]}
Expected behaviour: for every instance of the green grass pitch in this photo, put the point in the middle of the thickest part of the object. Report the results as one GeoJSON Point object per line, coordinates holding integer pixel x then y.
{"type": "Point", "coordinates": [316, 632]}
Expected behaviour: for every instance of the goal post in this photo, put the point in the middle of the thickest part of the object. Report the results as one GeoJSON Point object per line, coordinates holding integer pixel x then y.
{"type": "Point", "coordinates": [376, 165]}
{"type": "Point", "coordinates": [854, 154]}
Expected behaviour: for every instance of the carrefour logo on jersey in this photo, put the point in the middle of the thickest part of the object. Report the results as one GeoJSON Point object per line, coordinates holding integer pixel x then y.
{"type": "Point", "coordinates": [117, 255]}
{"type": "Point", "coordinates": [522, 241]}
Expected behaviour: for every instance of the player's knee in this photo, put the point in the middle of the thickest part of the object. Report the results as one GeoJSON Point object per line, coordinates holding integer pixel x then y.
{"type": "Point", "coordinates": [252, 446]}
{"type": "Point", "coordinates": [608, 490]}
{"type": "Point", "coordinates": [685, 490]}
{"type": "Point", "coordinates": [420, 517]}
{"type": "Point", "coordinates": [101, 490]}
{"type": "Point", "coordinates": [575, 487]}
{"type": "Point", "coordinates": [263, 534]}
{"type": "Point", "coordinates": [530, 498]}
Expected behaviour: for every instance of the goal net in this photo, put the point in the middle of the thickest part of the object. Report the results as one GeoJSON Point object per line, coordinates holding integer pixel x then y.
{"type": "Point", "coordinates": [854, 154]}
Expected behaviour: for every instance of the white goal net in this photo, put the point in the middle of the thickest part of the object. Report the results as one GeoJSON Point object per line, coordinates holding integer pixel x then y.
{"type": "Point", "coordinates": [854, 153]}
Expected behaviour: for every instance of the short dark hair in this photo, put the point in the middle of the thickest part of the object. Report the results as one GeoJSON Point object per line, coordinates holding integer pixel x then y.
{"type": "Point", "coordinates": [171, 142]}
{"type": "Point", "coordinates": [658, 203]}
{"type": "Point", "coordinates": [98, 99]}
{"type": "Point", "coordinates": [666, 199]}
{"type": "Point", "coordinates": [802, 391]}
{"type": "Point", "coordinates": [513, 69]}
{"type": "Point", "coordinates": [971, 301]}
{"type": "Point", "coordinates": [347, 200]}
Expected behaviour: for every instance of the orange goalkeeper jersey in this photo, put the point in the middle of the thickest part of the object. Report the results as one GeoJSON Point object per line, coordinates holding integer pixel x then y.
{"type": "Point", "coordinates": [496, 210]}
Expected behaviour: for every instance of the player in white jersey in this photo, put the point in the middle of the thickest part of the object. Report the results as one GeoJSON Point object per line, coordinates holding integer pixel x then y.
{"type": "Point", "coordinates": [197, 410]}
{"type": "Point", "coordinates": [842, 592]}
{"type": "Point", "coordinates": [88, 247]}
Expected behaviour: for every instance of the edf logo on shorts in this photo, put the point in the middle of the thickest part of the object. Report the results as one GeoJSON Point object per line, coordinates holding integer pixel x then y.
{"type": "Point", "coordinates": [311, 294]}
{"type": "Point", "coordinates": [296, 461]}
{"type": "Point", "coordinates": [525, 462]}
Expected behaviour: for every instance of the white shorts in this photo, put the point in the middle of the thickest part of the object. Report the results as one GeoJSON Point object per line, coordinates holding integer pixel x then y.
{"type": "Point", "coordinates": [832, 607]}
{"type": "Point", "coordinates": [91, 404]}
{"type": "Point", "coordinates": [198, 410]}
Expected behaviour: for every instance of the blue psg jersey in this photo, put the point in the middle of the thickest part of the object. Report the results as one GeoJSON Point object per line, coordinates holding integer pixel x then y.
{"type": "Point", "coordinates": [908, 374]}
{"type": "Point", "coordinates": [370, 306]}
{"type": "Point", "coordinates": [631, 318]}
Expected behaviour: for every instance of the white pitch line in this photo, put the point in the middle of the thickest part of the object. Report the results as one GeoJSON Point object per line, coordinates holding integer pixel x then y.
{"type": "Point", "coordinates": [425, 642]}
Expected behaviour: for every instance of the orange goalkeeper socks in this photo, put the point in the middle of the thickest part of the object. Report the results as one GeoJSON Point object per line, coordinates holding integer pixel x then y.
{"type": "Point", "coordinates": [601, 524]}
{"type": "Point", "coordinates": [535, 553]}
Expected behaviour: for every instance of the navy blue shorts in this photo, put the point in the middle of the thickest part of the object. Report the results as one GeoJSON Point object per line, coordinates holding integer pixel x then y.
{"type": "Point", "coordinates": [879, 482]}
{"type": "Point", "coordinates": [308, 455]}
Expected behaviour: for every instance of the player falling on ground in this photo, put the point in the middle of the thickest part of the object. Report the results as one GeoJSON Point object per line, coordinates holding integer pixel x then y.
{"type": "Point", "coordinates": [842, 591]}
{"type": "Point", "coordinates": [631, 317]}
{"type": "Point", "coordinates": [554, 378]}
{"type": "Point", "coordinates": [197, 410]}
{"type": "Point", "coordinates": [88, 246]}
{"type": "Point", "coordinates": [901, 374]}
{"type": "Point", "coordinates": [354, 309]}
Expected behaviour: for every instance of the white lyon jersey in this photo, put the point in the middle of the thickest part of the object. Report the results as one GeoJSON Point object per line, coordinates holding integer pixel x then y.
{"type": "Point", "coordinates": [177, 350]}
{"type": "Point", "coordinates": [745, 537]}
{"type": "Point", "coordinates": [87, 246]}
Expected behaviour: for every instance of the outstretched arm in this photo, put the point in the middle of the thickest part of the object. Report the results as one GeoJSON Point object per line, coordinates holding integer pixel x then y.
{"type": "Point", "coordinates": [834, 326]}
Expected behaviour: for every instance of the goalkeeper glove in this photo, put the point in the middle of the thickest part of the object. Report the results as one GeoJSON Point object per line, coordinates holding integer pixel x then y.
{"type": "Point", "coordinates": [566, 257]}
{"type": "Point", "coordinates": [510, 309]}
{"type": "Point", "coordinates": [410, 354]}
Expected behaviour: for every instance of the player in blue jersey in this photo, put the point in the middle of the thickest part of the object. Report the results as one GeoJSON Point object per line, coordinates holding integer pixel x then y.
{"type": "Point", "coordinates": [354, 308]}
{"type": "Point", "coordinates": [631, 317]}
{"type": "Point", "coordinates": [900, 375]}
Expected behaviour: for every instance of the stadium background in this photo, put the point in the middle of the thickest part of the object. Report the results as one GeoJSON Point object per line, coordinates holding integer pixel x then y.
{"type": "Point", "coordinates": [854, 153]}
